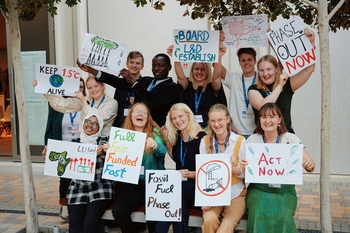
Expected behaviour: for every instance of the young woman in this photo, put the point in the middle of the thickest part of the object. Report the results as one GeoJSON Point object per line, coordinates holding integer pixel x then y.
{"type": "Point", "coordinates": [273, 207]}
{"type": "Point", "coordinates": [97, 102]}
{"type": "Point", "coordinates": [272, 86]}
{"type": "Point", "coordinates": [202, 89]}
{"type": "Point", "coordinates": [132, 196]}
{"type": "Point", "coordinates": [222, 139]}
{"type": "Point", "coordinates": [185, 135]}
{"type": "Point", "coordinates": [88, 200]}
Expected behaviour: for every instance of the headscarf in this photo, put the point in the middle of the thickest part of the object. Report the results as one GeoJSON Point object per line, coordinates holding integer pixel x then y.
{"type": "Point", "coordinates": [92, 139]}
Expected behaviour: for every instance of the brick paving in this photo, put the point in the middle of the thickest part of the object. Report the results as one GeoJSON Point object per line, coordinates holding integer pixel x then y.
{"type": "Point", "coordinates": [12, 218]}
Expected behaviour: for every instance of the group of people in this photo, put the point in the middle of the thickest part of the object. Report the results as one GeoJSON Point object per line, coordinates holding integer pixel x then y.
{"type": "Point", "coordinates": [184, 119]}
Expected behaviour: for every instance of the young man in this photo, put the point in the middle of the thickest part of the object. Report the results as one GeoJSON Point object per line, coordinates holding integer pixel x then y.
{"type": "Point", "coordinates": [240, 109]}
{"type": "Point", "coordinates": [158, 93]}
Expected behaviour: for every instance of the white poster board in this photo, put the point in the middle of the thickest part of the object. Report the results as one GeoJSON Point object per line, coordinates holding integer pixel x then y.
{"type": "Point", "coordinates": [243, 31]}
{"type": "Point", "coordinates": [292, 47]}
{"type": "Point", "coordinates": [70, 160]}
{"type": "Point", "coordinates": [124, 156]}
{"type": "Point", "coordinates": [163, 195]}
{"type": "Point", "coordinates": [213, 180]}
{"type": "Point", "coordinates": [196, 46]}
{"type": "Point", "coordinates": [271, 163]}
{"type": "Point", "coordinates": [103, 54]}
{"type": "Point", "coordinates": [57, 80]}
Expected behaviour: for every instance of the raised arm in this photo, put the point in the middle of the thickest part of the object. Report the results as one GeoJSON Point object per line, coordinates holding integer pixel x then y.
{"type": "Point", "coordinates": [301, 78]}
{"type": "Point", "coordinates": [181, 77]}
{"type": "Point", "coordinates": [216, 82]}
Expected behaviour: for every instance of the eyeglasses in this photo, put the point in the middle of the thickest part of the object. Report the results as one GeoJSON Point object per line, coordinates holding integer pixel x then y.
{"type": "Point", "coordinates": [136, 63]}
{"type": "Point", "coordinates": [137, 112]}
{"type": "Point", "coordinates": [220, 121]}
{"type": "Point", "coordinates": [94, 124]}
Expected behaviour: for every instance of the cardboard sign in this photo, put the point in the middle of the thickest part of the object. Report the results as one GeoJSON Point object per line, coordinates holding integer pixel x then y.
{"type": "Point", "coordinates": [196, 46]}
{"type": "Point", "coordinates": [124, 156]}
{"type": "Point", "coordinates": [213, 180]}
{"type": "Point", "coordinates": [243, 31]}
{"type": "Point", "coordinates": [271, 163]}
{"type": "Point", "coordinates": [292, 47]}
{"type": "Point", "coordinates": [70, 160]}
{"type": "Point", "coordinates": [103, 54]}
{"type": "Point", "coordinates": [163, 195]}
{"type": "Point", "coordinates": [57, 80]}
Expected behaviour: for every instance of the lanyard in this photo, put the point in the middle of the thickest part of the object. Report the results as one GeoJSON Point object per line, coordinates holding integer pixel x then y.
{"type": "Point", "coordinates": [245, 91]}
{"type": "Point", "coordinates": [183, 156]}
{"type": "Point", "coordinates": [93, 102]}
{"type": "Point", "coordinates": [72, 117]}
{"type": "Point", "coordinates": [151, 86]}
{"type": "Point", "coordinates": [217, 144]}
{"type": "Point", "coordinates": [278, 138]}
{"type": "Point", "coordinates": [197, 100]}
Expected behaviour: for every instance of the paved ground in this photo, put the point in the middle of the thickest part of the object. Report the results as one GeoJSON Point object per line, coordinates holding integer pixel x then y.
{"type": "Point", "coordinates": [12, 217]}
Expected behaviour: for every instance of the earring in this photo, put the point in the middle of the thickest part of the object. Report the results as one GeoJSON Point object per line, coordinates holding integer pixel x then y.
{"type": "Point", "coordinates": [279, 124]}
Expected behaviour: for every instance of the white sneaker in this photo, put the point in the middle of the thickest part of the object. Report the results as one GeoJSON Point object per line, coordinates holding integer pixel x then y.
{"type": "Point", "coordinates": [63, 216]}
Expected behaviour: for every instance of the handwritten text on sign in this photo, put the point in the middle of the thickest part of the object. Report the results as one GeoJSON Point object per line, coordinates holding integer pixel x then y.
{"type": "Point", "coordinates": [124, 156]}
{"type": "Point", "coordinates": [274, 163]}
{"type": "Point", "coordinates": [57, 80]}
{"type": "Point", "coordinates": [213, 180]}
{"type": "Point", "coordinates": [163, 195]}
{"type": "Point", "coordinates": [70, 160]}
{"type": "Point", "coordinates": [196, 46]}
{"type": "Point", "coordinates": [292, 47]}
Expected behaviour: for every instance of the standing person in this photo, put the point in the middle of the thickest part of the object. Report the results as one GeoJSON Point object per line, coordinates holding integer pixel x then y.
{"type": "Point", "coordinates": [63, 127]}
{"type": "Point", "coordinates": [240, 109]}
{"type": "Point", "coordinates": [185, 135]}
{"type": "Point", "coordinates": [132, 196]}
{"type": "Point", "coordinates": [159, 93]}
{"type": "Point", "coordinates": [272, 209]}
{"type": "Point", "coordinates": [222, 139]}
{"type": "Point", "coordinates": [88, 200]}
{"type": "Point", "coordinates": [202, 89]}
{"type": "Point", "coordinates": [97, 102]}
{"type": "Point", "coordinates": [272, 86]}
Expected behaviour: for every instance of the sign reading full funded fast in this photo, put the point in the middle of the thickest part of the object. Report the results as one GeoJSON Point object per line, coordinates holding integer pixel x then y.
{"type": "Point", "coordinates": [124, 156]}
{"type": "Point", "coordinates": [196, 46]}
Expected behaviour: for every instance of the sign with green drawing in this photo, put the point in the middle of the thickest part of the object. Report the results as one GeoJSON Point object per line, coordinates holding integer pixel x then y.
{"type": "Point", "coordinates": [274, 163]}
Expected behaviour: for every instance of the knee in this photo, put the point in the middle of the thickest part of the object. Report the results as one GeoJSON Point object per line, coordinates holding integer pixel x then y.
{"type": "Point", "coordinates": [210, 218]}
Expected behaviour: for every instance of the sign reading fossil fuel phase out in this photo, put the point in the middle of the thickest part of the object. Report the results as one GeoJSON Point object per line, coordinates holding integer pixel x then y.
{"type": "Point", "coordinates": [292, 47]}
{"type": "Point", "coordinates": [57, 80]}
{"type": "Point", "coordinates": [196, 46]}
{"type": "Point", "coordinates": [163, 195]}
{"type": "Point", "coordinates": [124, 156]}
{"type": "Point", "coordinates": [274, 163]}
{"type": "Point", "coordinates": [102, 54]}
{"type": "Point", "coordinates": [213, 180]}
{"type": "Point", "coordinates": [70, 160]}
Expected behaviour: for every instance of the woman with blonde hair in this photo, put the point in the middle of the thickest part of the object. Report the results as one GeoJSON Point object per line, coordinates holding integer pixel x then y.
{"type": "Point", "coordinates": [185, 135]}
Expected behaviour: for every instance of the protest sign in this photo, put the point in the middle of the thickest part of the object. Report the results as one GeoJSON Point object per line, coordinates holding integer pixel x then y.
{"type": "Point", "coordinates": [124, 156]}
{"type": "Point", "coordinates": [243, 31]}
{"type": "Point", "coordinates": [57, 80]}
{"type": "Point", "coordinates": [292, 47]}
{"type": "Point", "coordinates": [163, 195]}
{"type": "Point", "coordinates": [196, 46]}
{"type": "Point", "coordinates": [274, 163]}
{"type": "Point", "coordinates": [102, 54]}
{"type": "Point", "coordinates": [70, 160]}
{"type": "Point", "coordinates": [213, 180]}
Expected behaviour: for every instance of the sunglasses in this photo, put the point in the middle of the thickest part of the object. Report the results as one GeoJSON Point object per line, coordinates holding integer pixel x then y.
{"type": "Point", "coordinates": [94, 124]}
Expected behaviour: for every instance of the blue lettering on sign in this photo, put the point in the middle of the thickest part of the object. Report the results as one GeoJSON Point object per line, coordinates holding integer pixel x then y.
{"type": "Point", "coordinates": [206, 57]}
{"type": "Point", "coordinates": [193, 48]}
{"type": "Point", "coordinates": [193, 36]}
{"type": "Point", "coordinates": [115, 173]}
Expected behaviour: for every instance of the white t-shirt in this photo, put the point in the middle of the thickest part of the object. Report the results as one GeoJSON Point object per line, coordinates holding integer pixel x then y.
{"type": "Point", "coordinates": [243, 117]}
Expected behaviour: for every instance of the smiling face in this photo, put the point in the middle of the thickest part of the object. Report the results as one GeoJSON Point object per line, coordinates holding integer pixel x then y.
{"type": "Point", "coordinates": [199, 73]}
{"type": "Point", "coordinates": [139, 117]}
{"type": "Point", "coordinates": [218, 121]}
{"type": "Point", "coordinates": [267, 72]}
{"type": "Point", "coordinates": [91, 126]}
{"type": "Point", "coordinates": [96, 89]}
{"type": "Point", "coordinates": [269, 121]}
{"type": "Point", "coordinates": [160, 67]}
{"type": "Point", "coordinates": [247, 63]}
{"type": "Point", "coordinates": [135, 65]}
{"type": "Point", "coordinates": [180, 119]}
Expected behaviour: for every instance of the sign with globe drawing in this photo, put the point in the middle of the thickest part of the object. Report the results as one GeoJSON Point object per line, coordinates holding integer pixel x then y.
{"type": "Point", "coordinates": [57, 80]}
